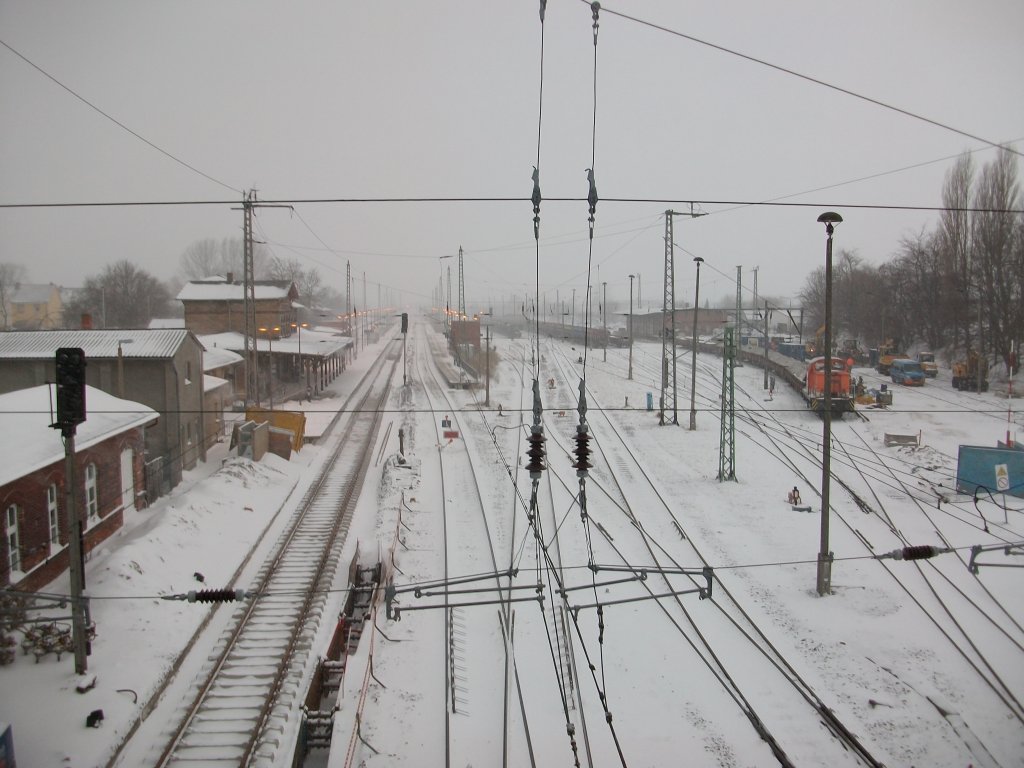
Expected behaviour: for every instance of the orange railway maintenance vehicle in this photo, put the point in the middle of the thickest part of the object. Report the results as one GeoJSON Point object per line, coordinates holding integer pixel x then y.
{"type": "Point", "coordinates": [814, 390]}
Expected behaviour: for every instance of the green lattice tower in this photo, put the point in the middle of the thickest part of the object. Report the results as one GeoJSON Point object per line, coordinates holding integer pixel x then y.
{"type": "Point", "coordinates": [727, 444]}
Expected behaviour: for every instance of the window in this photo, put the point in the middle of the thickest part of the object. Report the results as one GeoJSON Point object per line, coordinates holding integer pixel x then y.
{"type": "Point", "coordinates": [188, 433]}
{"type": "Point", "coordinates": [91, 504]}
{"type": "Point", "coordinates": [188, 371]}
{"type": "Point", "coordinates": [13, 546]}
{"type": "Point", "coordinates": [53, 513]}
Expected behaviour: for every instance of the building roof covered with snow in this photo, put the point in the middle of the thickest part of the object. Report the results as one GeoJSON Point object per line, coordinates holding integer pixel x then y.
{"type": "Point", "coordinates": [215, 357]}
{"type": "Point", "coordinates": [208, 290]}
{"type": "Point", "coordinates": [134, 343]}
{"type": "Point", "coordinates": [30, 444]}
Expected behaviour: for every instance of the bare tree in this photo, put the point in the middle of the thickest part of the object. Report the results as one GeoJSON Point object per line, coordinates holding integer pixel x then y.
{"type": "Point", "coordinates": [858, 297]}
{"type": "Point", "coordinates": [121, 296]}
{"type": "Point", "coordinates": [308, 281]}
{"type": "Point", "coordinates": [310, 286]}
{"type": "Point", "coordinates": [285, 269]}
{"type": "Point", "coordinates": [955, 241]}
{"type": "Point", "coordinates": [919, 268]}
{"type": "Point", "coordinates": [996, 264]}
{"type": "Point", "coordinates": [208, 257]}
{"type": "Point", "coordinates": [11, 278]}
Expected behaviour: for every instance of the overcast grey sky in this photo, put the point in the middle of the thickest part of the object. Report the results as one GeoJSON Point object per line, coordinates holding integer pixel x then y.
{"type": "Point", "coordinates": [307, 100]}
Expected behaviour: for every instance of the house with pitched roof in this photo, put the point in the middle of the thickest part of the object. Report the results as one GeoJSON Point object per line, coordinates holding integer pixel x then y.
{"type": "Point", "coordinates": [216, 304]}
{"type": "Point", "coordinates": [161, 368]}
{"type": "Point", "coordinates": [34, 306]}
{"type": "Point", "coordinates": [109, 479]}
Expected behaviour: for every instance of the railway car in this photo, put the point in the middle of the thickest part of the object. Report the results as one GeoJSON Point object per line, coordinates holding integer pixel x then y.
{"type": "Point", "coordinates": [795, 350]}
{"type": "Point", "coordinates": [814, 391]}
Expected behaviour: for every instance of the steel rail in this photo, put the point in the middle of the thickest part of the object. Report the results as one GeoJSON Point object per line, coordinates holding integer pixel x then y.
{"type": "Point", "coordinates": [311, 535]}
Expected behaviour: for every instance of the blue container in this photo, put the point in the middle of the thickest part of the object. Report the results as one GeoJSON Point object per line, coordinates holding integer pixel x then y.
{"type": "Point", "coordinates": [981, 470]}
{"type": "Point", "coordinates": [650, 401]}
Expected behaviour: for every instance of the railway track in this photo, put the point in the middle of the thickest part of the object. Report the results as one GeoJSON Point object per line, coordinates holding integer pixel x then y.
{"type": "Point", "coordinates": [469, 549]}
{"type": "Point", "coordinates": [977, 625]}
{"type": "Point", "coordinates": [691, 622]}
{"type": "Point", "coordinates": [242, 710]}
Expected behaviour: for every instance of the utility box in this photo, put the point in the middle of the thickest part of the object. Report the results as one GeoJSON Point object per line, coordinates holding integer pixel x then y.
{"type": "Point", "coordinates": [981, 470]}
{"type": "Point", "coordinates": [252, 439]}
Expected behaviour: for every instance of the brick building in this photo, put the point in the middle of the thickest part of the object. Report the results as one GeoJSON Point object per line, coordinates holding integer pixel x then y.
{"type": "Point", "coordinates": [109, 479]}
{"type": "Point", "coordinates": [709, 320]}
{"type": "Point", "coordinates": [216, 305]}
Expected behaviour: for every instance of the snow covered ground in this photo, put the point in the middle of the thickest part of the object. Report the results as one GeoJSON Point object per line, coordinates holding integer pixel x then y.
{"type": "Point", "coordinates": [879, 651]}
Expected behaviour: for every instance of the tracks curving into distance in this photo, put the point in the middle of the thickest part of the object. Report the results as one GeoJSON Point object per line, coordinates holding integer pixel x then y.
{"type": "Point", "coordinates": [478, 648]}
{"type": "Point", "coordinates": [628, 488]}
{"type": "Point", "coordinates": [977, 625]}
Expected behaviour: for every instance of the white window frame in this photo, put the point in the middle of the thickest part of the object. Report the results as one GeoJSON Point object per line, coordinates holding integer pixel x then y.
{"type": "Point", "coordinates": [53, 512]}
{"type": "Point", "coordinates": [92, 505]}
{"type": "Point", "coordinates": [11, 536]}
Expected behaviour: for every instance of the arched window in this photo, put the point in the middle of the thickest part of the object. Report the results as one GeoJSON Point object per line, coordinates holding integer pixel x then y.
{"type": "Point", "coordinates": [13, 543]}
{"type": "Point", "coordinates": [53, 513]}
{"type": "Point", "coordinates": [92, 506]}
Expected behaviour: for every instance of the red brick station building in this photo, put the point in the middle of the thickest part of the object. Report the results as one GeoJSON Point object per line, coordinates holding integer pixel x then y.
{"type": "Point", "coordinates": [109, 479]}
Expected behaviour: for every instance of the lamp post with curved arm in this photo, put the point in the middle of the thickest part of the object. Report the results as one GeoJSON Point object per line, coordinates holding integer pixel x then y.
{"type": "Point", "coordinates": [824, 576]}
{"type": "Point", "coordinates": [270, 346]}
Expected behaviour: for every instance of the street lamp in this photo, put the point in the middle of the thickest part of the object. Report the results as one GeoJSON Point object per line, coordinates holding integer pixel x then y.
{"type": "Point", "coordinates": [693, 360]}
{"type": "Point", "coordinates": [630, 377]}
{"type": "Point", "coordinates": [270, 346]}
{"type": "Point", "coordinates": [829, 219]}
{"type": "Point", "coordinates": [302, 368]}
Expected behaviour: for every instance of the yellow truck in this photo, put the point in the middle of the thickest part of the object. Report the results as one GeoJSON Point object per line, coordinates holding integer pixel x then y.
{"type": "Point", "coordinates": [927, 363]}
{"type": "Point", "coordinates": [970, 374]}
{"type": "Point", "coordinates": [886, 354]}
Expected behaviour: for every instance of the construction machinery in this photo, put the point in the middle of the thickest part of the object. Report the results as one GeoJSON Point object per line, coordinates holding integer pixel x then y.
{"type": "Point", "coordinates": [928, 365]}
{"type": "Point", "coordinates": [970, 374]}
{"type": "Point", "coordinates": [887, 352]}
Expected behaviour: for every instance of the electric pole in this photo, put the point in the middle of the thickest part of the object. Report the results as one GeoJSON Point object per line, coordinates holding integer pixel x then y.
{"type": "Point", "coordinates": [252, 390]}
{"type": "Point", "coordinates": [462, 288]}
{"type": "Point", "coordinates": [739, 301]}
{"type": "Point", "coordinates": [766, 345]}
{"type": "Point", "coordinates": [727, 440]}
{"type": "Point", "coordinates": [668, 325]}
{"type": "Point", "coordinates": [630, 376]}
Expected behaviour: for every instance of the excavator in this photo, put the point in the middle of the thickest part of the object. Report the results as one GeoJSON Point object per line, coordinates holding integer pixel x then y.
{"type": "Point", "coordinates": [970, 374]}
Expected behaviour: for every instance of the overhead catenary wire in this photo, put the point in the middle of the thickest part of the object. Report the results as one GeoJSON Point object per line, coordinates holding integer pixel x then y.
{"type": "Point", "coordinates": [116, 122]}
{"type": "Point", "coordinates": [513, 199]}
{"type": "Point", "coordinates": [810, 79]}
{"type": "Point", "coordinates": [177, 596]}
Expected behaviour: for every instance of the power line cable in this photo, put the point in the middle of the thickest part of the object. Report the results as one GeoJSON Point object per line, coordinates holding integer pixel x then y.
{"type": "Point", "coordinates": [117, 122]}
{"type": "Point", "coordinates": [637, 200]}
{"type": "Point", "coordinates": [810, 79]}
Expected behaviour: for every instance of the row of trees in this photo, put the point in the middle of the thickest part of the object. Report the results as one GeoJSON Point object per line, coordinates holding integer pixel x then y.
{"type": "Point", "coordinates": [123, 295]}
{"type": "Point", "coordinates": [957, 286]}
{"type": "Point", "coordinates": [207, 257]}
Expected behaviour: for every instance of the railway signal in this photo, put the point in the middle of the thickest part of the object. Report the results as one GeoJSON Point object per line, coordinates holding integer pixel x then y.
{"type": "Point", "coordinates": [70, 369]}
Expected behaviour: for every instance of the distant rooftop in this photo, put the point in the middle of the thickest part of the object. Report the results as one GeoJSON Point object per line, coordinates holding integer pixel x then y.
{"type": "Point", "coordinates": [33, 293]}
{"type": "Point", "coordinates": [35, 345]}
{"type": "Point", "coordinates": [167, 322]}
{"type": "Point", "coordinates": [218, 289]}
